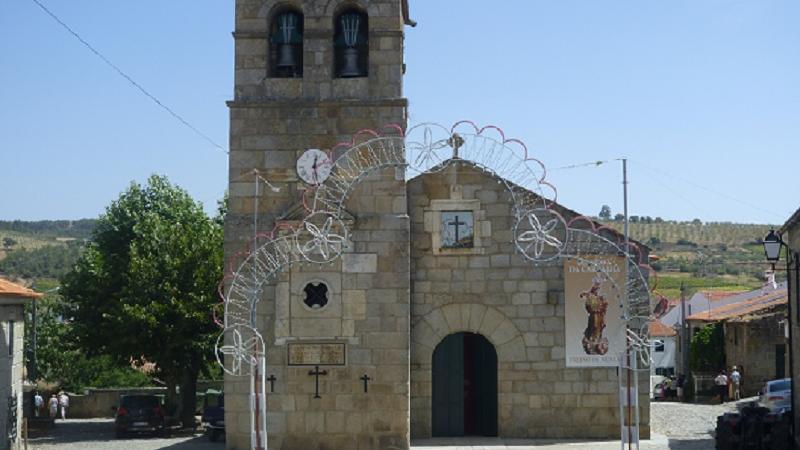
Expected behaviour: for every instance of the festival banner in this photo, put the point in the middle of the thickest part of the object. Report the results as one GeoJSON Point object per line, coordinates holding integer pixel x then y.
{"type": "Point", "coordinates": [594, 288]}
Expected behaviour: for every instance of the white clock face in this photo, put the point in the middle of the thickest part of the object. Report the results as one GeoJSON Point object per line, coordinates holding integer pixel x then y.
{"type": "Point", "coordinates": [314, 166]}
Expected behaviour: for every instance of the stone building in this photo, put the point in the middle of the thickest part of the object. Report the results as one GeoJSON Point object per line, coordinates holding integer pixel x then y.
{"type": "Point", "coordinates": [754, 334]}
{"type": "Point", "coordinates": [420, 329]}
{"type": "Point", "coordinates": [791, 237]}
{"type": "Point", "coordinates": [12, 301]}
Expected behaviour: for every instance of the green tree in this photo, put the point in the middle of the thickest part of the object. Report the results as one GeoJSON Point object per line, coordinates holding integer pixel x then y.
{"type": "Point", "coordinates": [605, 212]}
{"type": "Point", "coordinates": [8, 242]}
{"type": "Point", "coordinates": [707, 349]}
{"type": "Point", "coordinates": [60, 361]}
{"type": "Point", "coordinates": [143, 289]}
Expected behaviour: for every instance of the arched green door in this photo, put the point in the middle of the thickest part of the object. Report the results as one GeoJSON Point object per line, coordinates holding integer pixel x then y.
{"type": "Point", "coordinates": [464, 386]}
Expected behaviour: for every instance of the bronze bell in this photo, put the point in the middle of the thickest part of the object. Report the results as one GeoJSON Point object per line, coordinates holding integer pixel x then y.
{"type": "Point", "coordinates": [350, 63]}
{"type": "Point", "coordinates": [286, 57]}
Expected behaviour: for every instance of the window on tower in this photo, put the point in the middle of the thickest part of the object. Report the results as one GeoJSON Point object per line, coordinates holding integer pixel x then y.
{"type": "Point", "coordinates": [286, 45]}
{"type": "Point", "coordinates": [351, 44]}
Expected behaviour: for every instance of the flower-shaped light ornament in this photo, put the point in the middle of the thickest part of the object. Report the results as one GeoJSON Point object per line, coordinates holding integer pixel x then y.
{"type": "Point", "coordinates": [535, 238]}
{"type": "Point", "coordinates": [241, 351]}
{"type": "Point", "coordinates": [424, 153]}
{"type": "Point", "coordinates": [323, 242]}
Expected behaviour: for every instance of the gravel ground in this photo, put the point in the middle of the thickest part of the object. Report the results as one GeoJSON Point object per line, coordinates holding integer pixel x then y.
{"type": "Point", "coordinates": [98, 434]}
{"type": "Point", "coordinates": [676, 426]}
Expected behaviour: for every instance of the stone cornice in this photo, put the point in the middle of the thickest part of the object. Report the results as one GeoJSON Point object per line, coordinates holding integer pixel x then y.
{"type": "Point", "coordinates": [312, 34]}
{"type": "Point", "coordinates": [307, 103]}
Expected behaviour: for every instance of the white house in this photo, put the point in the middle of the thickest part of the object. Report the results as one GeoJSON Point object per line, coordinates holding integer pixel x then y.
{"type": "Point", "coordinates": [663, 348]}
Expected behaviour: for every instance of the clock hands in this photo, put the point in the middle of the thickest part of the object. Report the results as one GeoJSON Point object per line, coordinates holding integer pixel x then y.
{"type": "Point", "coordinates": [314, 166]}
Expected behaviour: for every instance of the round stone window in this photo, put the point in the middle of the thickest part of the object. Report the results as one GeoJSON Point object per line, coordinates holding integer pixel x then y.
{"type": "Point", "coordinates": [316, 295]}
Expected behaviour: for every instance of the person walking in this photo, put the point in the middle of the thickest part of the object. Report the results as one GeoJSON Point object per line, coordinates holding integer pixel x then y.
{"type": "Point", "coordinates": [736, 381]}
{"type": "Point", "coordinates": [679, 383]}
{"type": "Point", "coordinates": [53, 404]}
{"type": "Point", "coordinates": [38, 403]}
{"type": "Point", "coordinates": [63, 401]}
{"type": "Point", "coordinates": [722, 385]}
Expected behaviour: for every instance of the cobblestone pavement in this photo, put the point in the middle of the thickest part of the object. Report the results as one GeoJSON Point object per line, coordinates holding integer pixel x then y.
{"type": "Point", "coordinates": [676, 426]}
{"type": "Point", "coordinates": [98, 434]}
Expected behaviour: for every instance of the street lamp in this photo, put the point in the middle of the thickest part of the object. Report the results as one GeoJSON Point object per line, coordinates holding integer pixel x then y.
{"type": "Point", "coordinates": [772, 247]}
{"type": "Point", "coordinates": [772, 251]}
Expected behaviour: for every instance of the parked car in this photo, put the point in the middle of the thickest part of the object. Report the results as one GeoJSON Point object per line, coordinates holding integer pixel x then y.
{"type": "Point", "coordinates": [753, 427]}
{"type": "Point", "coordinates": [655, 380]}
{"type": "Point", "coordinates": [140, 413]}
{"type": "Point", "coordinates": [214, 414]}
{"type": "Point", "coordinates": [776, 395]}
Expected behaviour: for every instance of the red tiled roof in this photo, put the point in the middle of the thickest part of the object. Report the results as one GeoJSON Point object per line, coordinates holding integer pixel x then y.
{"type": "Point", "coordinates": [715, 296]}
{"type": "Point", "coordinates": [747, 307]}
{"type": "Point", "coordinates": [658, 329]}
{"type": "Point", "coordinates": [9, 289]}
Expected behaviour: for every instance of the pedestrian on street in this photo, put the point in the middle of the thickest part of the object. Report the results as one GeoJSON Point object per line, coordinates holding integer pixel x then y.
{"type": "Point", "coordinates": [38, 403]}
{"type": "Point", "coordinates": [63, 401]}
{"type": "Point", "coordinates": [736, 379]}
{"type": "Point", "coordinates": [679, 383]}
{"type": "Point", "coordinates": [722, 385]}
{"type": "Point", "coordinates": [53, 403]}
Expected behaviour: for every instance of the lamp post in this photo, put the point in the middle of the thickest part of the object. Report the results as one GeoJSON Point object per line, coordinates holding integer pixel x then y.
{"type": "Point", "coordinates": [772, 251]}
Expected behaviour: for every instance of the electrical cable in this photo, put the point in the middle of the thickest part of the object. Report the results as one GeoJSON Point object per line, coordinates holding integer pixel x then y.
{"type": "Point", "coordinates": [128, 77]}
{"type": "Point", "coordinates": [698, 186]}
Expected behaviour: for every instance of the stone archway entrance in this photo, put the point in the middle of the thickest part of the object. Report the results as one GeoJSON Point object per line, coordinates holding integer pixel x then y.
{"type": "Point", "coordinates": [464, 386]}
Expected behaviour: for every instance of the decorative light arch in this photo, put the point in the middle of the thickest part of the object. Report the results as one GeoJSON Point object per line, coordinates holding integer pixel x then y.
{"type": "Point", "coordinates": [541, 233]}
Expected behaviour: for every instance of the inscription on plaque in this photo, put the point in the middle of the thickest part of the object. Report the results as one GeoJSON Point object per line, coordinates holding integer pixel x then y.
{"type": "Point", "coordinates": [327, 354]}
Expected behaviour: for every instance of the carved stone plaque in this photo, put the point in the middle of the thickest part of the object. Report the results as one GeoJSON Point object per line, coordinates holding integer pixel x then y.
{"type": "Point", "coordinates": [317, 354]}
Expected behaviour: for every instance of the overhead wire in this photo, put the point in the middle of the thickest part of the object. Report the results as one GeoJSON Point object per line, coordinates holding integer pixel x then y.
{"type": "Point", "coordinates": [666, 186]}
{"type": "Point", "coordinates": [704, 188]}
{"type": "Point", "coordinates": [129, 78]}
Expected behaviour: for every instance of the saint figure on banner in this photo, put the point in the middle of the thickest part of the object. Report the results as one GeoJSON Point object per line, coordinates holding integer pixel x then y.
{"type": "Point", "coordinates": [594, 343]}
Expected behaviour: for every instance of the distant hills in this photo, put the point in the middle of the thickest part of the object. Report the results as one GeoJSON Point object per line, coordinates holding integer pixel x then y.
{"type": "Point", "coordinates": [710, 255]}
{"type": "Point", "coordinates": [702, 255]}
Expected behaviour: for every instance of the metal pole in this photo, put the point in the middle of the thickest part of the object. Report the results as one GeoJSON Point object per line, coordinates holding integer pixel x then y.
{"type": "Point", "coordinates": [263, 403]}
{"type": "Point", "coordinates": [255, 439]}
{"type": "Point", "coordinates": [626, 303]}
{"type": "Point", "coordinates": [684, 339]}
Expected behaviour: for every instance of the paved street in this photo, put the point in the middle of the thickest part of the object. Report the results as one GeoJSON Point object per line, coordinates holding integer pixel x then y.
{"type": "Point", "coordinates": [676, 426]}
{"type": "Point", "coordinates": [98, 434]}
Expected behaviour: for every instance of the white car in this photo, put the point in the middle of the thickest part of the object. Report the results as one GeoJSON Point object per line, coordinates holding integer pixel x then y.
{"type": "Point", "coordinates": [776, 395]}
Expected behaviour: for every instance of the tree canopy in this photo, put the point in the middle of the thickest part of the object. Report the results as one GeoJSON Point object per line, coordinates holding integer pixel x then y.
{"type": "Point", "coordinates": [143, 289]}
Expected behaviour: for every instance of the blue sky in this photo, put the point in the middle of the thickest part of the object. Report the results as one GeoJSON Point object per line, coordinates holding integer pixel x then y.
{"type": "Point", "coordinates": [701, 96]}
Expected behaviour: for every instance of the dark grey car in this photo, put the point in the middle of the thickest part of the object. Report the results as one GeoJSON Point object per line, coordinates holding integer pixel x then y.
{"type": "Point", "coordinates": [140, 413]}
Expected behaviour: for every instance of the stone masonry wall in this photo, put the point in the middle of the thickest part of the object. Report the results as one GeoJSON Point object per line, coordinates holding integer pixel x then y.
{"type": "Point", "coordinates": [11, 370]}
{"type": "Point", "coordinates": [273, 121]}
{"type": "Point", "coordinates": [517, 307]}
{"type": "Point", "coordinates": [751, 346]}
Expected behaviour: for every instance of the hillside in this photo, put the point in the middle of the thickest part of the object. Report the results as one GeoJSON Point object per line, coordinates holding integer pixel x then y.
{"type": "Point", "coordinates": [41, 250]}
{"type": "Point", "coordinates": [713, 255]}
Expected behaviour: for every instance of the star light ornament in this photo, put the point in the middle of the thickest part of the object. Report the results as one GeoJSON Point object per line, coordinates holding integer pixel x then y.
{"type": "Point", "coordinates": [427, 156]}
{"type": "Point", "coordinates": [241, 351]}
{"type": "Point", "coordinates": [323, 243]}
{"type": "Point", "coordinates": [536, 238]}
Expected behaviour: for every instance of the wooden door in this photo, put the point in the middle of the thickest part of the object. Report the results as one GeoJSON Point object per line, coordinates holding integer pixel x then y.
{"type": "Point", "coordinates": [464, 386]}
{"type": "Point", "coordinates": [448, 387]}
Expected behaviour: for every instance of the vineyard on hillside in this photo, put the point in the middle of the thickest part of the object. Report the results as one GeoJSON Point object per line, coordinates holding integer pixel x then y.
{"type": "Point", "coordinates": [702, 256]}
{"type": "Point", "coordinates": [707, 256]}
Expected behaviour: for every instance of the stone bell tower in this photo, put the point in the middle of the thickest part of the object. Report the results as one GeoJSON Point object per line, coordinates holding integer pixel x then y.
{"type": "Point", "coordinates": [308, 75]}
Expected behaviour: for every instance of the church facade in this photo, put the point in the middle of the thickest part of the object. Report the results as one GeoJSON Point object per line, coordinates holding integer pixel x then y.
{"type": "Point", "coordinates": [429, 323]}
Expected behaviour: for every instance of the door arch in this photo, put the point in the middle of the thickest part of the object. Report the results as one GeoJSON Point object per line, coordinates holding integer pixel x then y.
{"type": "Point", "coordinates": [464, 386]}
